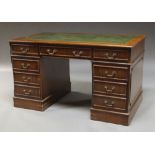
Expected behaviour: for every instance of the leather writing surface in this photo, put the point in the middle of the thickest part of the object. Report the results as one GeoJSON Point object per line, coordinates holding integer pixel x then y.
{"type": "Point", "coordinates": [71, 37]}
{"type": "Point", "coordinates": [83, 37]}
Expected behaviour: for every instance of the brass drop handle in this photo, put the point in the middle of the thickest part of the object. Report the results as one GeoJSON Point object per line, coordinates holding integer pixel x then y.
{"type": "Point", "coordinates": [80, 52]}
{"type": "Point", "coordinates": [109, 103]}
{"type": "Point", "coordinates": [51, 52]}
{"type": "Point", "coordinates": [25, 66]}
{"type": "Point", "coordinates": [112, 75]}
{"type": "Point", "coordinates": [77, 53]}
{"type": "Point", "coordinates": [26, 79]}
{"type": "Point", "coordinates": [27, 92]}
{"type": "Point", "coordinates": [74, 52]}
{"type": "Point", "coordinates": [112, 56]}
{"type": "Point", "coordinates": [24, 50]}
{"type": "Point", "coordinates": [48, 50]}
{"type": "Point", "coordinates": [109, 91]}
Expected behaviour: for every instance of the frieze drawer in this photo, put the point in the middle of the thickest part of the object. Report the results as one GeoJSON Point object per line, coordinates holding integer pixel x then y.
{"type": "Point", "coordinates": [66, 52]}
{"type": "Point", "coordinates": [24, 49]}
{"type": "Point", "coordinates": [112, 54]}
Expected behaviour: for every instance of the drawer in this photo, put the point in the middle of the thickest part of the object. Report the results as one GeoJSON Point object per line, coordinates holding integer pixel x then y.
{"type": "Point", "coordinates": [112, 54]}
{"type": "Point", "coordinates": [26, 65]}
{"type": "Point", "coordinates": [24, 78]}
{"type": "Point", "coordinates": [110, 88]}
{"type": "Point", "coordinates": [110, 72]}
{"type": "Point", "coordinates": [24, 49]}
{"type": "Point", "coordinates": [66, 52]}
{"type": "Point", "coordinates": [109, 102]}
{"type": "Point", "coordinates": [27, 91]}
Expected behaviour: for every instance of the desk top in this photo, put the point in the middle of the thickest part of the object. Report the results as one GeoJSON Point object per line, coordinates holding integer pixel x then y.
{"type": "Point", "coordinates": [82, 39]}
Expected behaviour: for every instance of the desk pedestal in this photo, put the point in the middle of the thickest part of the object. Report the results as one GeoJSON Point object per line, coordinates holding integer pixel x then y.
{"type": "Point", "coordinates": [41, 84]}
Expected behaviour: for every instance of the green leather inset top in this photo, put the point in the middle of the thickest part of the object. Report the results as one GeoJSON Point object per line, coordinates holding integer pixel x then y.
{"type": "Point", "coordinates": [73, 37]}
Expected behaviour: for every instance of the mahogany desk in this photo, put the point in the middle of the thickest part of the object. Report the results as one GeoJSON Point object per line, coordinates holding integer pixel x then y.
{"type": "Point", "coordinates": [41, 71]}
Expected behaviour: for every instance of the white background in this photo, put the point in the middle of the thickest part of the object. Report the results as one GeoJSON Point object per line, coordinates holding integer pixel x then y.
{"type": "Point", "coordinates": [72, 113]}
{"type": "Point", "coordinates": [77, 143]}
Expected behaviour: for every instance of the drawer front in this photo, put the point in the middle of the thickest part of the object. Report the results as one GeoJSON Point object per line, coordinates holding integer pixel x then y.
{"type": "Point", "coordinates": [26, 91]}
{"type": "Point", "coordinates": [112, 54]}
{"type": "Point", "coordinates": [110, 72]}
{"type": "Point", "coordinates": [26, 78]}
{"type": "Point", "coordinates": [26, 65]}
{"type": "Point", "coordinates": [24, 49]}
{"type": "Point", "coordinates": [110, 88]}
{"type": "Point", "coordinates": [109, 102]}
{"type": "Point", "coordinates": [66, 52]}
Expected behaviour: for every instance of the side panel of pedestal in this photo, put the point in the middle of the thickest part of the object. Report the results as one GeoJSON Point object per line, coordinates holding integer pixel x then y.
{"type": "Point", "coordinates": [55, 76]}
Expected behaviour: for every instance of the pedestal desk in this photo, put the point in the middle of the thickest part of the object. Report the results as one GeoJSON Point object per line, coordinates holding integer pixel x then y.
{"type": "Point", "coordinates": [41, 71]}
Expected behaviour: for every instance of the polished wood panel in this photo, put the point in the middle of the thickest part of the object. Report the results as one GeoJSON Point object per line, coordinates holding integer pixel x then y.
{"type": "Point", "coordinates": [32, 104]}
{"type": "Point", "coordinates": [55, 76]}
{"type": "Point", "coordinates": [136, 81]}
{"type": "Point", "coordinates": [109, 116]}
{"type": "Point", "coordinates": [137, 50]}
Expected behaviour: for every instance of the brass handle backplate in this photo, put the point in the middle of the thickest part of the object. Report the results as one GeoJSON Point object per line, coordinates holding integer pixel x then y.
{"type": "Point", "coordinates": [25, 66]}
{"type": "Point", "coordinates": [24, 50]}
{"type": "Point", "coordinates": [112, 75]}
{"type": "Point", "coordinates": [51, 52]}
{"type": "Point", "coordinates": [27, 92]}
{"type": "Point", "coordinates": [109, 103]}
{"type": "Point", "coordinates": [109, 91]}
{"type": "Point", "coordinates": [77, 53]}
{"type": "Point", "coordinates": [26, 79]}
{"type": "Point", "coordinates": [110, 56]}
